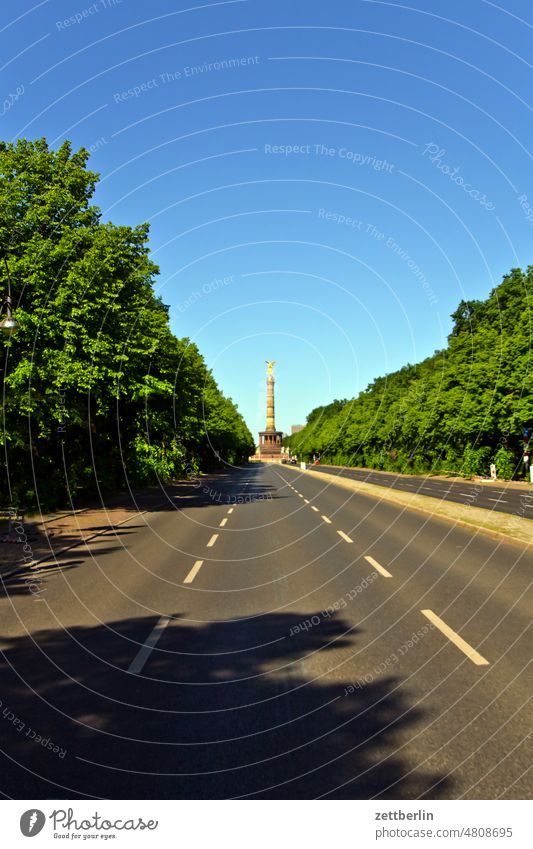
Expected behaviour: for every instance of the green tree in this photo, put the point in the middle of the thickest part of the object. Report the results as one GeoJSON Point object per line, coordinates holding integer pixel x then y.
{"type": "Point", "coordinates": [96, 389]}
{"type": "Point", "coordinates": [447, 413]}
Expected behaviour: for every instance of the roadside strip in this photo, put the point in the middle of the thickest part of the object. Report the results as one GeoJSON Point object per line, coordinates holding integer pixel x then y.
{"type": "Point", "coordinates": [509, 526]}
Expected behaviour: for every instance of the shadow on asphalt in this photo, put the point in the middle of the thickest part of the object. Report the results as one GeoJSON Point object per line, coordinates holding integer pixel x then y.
{"type": "Point", "coordinates": [29, 580]}
{"type": "Point", "coordinates": [221, 710]}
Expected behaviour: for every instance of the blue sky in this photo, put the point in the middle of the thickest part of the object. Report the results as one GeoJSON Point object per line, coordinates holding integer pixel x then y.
{"type": "Point", "coordinates": [324, 181]}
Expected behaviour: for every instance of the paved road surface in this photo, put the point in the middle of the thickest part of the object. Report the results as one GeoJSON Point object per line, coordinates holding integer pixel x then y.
{"type": "Point", "coordinates": [266, 638]}
{"type": "Point", "coordinates": [490, 495]}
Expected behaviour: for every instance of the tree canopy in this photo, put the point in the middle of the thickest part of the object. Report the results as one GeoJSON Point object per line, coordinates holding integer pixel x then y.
{"type": "Point", "coordinates": [458, 411]}
{"type": "Point", "coordinates": [97, 391]}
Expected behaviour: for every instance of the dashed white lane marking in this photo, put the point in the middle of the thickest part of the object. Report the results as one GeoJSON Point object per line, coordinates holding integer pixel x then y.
{"type": "Point", "coordinates": [300, 495]}
{"type": "Point", "coordinates": [315, 509]}
{"type": "Point", "coordinates": [212, 541]}
{"type": "Point", "coordinates": [142, 655]}
{"type": "Point", "coordinates": [499, 500]}
{"type": "Point", "coordinates": [307, 501]}
{"type": "Point", "coordinates": [452, 635]}
{"type": "Point", "coordinates": [230, 510]}
{"type": "Point", "coordinates": [344, 536]}
{"type": "Point", "coordinates": [377, 566]}
{"type": "Point", "coordinates": [193, 573]}
{"type": "Point", "coordinates": [325, 518]}
{"type": "Point", "coordinates": [222, 522]}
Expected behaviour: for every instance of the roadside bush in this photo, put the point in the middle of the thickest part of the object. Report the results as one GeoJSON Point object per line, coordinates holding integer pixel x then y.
{"type": "Point", "coordinates": [504, 462]}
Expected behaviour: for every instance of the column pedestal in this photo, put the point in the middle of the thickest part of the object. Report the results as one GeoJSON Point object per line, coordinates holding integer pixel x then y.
{"type": "Point", "coordinates": [270, 445]}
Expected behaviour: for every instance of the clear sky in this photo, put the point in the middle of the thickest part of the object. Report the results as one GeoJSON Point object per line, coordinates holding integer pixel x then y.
{"type": "Point", "coordinates": [324, 180]}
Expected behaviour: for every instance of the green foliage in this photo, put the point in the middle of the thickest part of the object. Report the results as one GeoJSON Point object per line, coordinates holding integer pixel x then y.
{"type": "Point", "coordinates": [475, 461]}
{"type": "Point", "coordinates": [505, 463]}
{"type": "Point", "coordinates": [148, 460]}
{"type": "Point", "coordinates": [97, 391]}
{"type": "Point", "coordinates": [448, 413]}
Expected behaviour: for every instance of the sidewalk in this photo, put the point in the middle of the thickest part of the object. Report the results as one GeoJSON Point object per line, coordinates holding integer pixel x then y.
{"type": "Point", "coordinates": [44, 536]}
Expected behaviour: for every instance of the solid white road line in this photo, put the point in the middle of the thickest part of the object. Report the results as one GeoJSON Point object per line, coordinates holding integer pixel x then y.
{"type": "Point", "coordinates": [212, 541]}
{"type": "Point", "coordinates": [470, 652]}
{"type": "Point", "coordinates": [344, 536]}
{"type": "Point", "coordinates": [193, 573]}
{"type": "Point", "coordinates": [142, 655]}
{"type": "Point", "coordinates": [377, 566]}
{"type": "Point", "coordinates": [326, 519]}
{"type": "Point", "coordinates": [223, 522]}
{"type": "Point", "coordinates": [317, 510]}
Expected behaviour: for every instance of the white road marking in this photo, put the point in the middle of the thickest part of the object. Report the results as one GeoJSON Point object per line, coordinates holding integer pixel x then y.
{"type": "Point", "coordinates": [193, 573]}
{"type": "Point", "coordinates": [223, 522]}
{"type": "Point", "coordinates": [377, 566]}
{"type": "Point", "coordinates": [499, 500]}
{"type": "Point", "coordinates": [344, 536]}
{"type": "Point", "coordinates": [230, 510]}
{"type": "Point", "coordinates": [300, 495]}
{"type": "Point", "coordinates": [142, 655]}
{"type": "Point", "coordinates": [307, 501]}
{"type": "Point", "coordinates": [326, 520]}
{"type": "Point", "coordinates": [452, 635]}
{"type": "Point", "coordinates": [318, 511]}
{"type": "Point", "coordinates": [212, 541]}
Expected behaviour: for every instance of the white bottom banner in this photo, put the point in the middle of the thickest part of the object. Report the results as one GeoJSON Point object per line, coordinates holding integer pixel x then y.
{"type": "Point", "coordinates": [251, 823]}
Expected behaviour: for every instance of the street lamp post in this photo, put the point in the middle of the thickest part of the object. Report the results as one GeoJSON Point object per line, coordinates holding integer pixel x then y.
{"type": "Point", "coordinates": [8, 324]}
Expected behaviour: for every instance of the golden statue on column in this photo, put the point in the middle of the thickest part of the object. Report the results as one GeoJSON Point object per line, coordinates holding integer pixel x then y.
{"type": "Point", "coordinates": [270, 439]}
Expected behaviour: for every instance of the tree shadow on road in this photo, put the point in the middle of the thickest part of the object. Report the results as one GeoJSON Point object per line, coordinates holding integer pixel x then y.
{"type": "Point", "coordinates": [30, 580]}
{"type": "Point", "coordinates": [227, 709]}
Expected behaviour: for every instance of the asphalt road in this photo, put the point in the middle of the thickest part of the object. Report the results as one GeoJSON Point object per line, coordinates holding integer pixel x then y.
{"type": "Point", "coordinates": [490, 495]}
{"type": "Point", "coordinates": [264, 637]}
